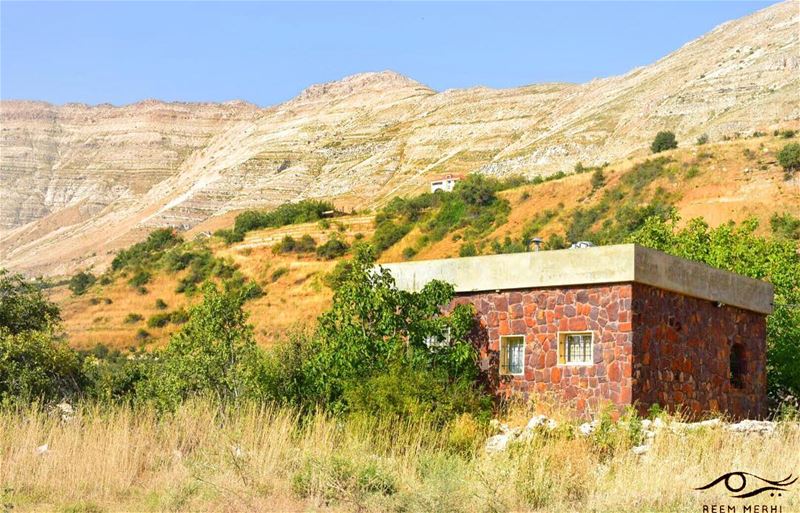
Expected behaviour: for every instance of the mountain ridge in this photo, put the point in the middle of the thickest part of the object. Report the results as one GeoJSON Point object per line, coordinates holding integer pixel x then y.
{"type": "Point", "coordinates": [72, 175]}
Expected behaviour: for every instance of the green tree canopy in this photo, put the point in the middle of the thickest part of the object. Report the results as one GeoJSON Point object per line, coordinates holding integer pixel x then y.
{"type": "Point", "coordinates": [789, 157]}
{"type": "Point", "coordinates": [373, 329]}
{"type": "Point", "coordinates": [23, 306]}
{"type": "Point", "coordinates": [214, 353]}
{"type": "Point", "coordinates": [663, 141]}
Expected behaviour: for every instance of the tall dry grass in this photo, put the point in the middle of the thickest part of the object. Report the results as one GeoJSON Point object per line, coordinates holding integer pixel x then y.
{"type": "Point", "coordinates": [260, 458]}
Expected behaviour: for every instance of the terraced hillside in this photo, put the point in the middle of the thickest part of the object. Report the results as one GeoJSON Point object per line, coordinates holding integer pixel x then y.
{"type": "Point", "coordinates": [727, 181]}
{"type": "Point", "coordinates": [80, 182]}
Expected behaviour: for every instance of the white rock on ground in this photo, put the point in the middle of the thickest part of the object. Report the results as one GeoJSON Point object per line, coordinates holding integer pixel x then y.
{"type": "Point", "coordinates": [761, 427]}
{"type": "Point", "coordinates": [650, 429]}
{"type": "Point", "coordinates": [497, 443]}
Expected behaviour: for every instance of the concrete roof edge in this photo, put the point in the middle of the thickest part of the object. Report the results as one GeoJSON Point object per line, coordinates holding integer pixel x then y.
{"type": "Point", "coordinates": [623, 263]}
{"type": "Point", "coordinates": [696, 279]}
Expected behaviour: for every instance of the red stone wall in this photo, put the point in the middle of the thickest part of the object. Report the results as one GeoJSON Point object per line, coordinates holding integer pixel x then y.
{"type": "Point", "coordinates": [682, 354]}
{"type": "Point", "coordinates": [539, 315]}
{"type": "Point", "coordinates": [650, 346]}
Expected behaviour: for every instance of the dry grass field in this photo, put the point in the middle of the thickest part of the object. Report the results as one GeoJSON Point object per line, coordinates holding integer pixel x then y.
{"type": "Point", "coordinates": [266, 459]}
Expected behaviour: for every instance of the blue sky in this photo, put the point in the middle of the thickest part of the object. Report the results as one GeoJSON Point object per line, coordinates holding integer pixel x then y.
{"type": "Point", "coordinates": [268, 52]}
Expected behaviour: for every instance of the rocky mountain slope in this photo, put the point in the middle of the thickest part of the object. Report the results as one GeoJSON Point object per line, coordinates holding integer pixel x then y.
{"type": "Point", "coordinates": [79, 182]}
{"type": "Point", "coordinates": [720, 182]}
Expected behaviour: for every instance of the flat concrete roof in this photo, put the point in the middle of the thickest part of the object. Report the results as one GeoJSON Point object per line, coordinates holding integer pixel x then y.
{"type": "Point", "coordinates": [588, 266]}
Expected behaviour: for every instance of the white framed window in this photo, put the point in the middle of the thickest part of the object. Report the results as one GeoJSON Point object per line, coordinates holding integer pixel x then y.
{"type": "Point", "coordinates": [512, 355]}
{"type": "Point", "coordinates": [435, 342]}
{"type": "Point", "coordinates": [576, 348]}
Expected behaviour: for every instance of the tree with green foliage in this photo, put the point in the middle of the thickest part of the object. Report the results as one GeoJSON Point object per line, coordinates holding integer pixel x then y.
{"type": "Point", "coordinates": [476, 190]}
{"type": "Point", "coordinates": [333, 248]}
{"type": "Point", "coordinates": [289, 213]}
{"type": "Point", "coordinates": [35, 361]}
{"type": "Point", "coordinates": [37, 365]}
{"type": "Point", "coordinates": [598, 179]}
{"type": "Point", "coordinates": [214, 353]}
{"type": "Point", "coordinates": [740, 250]}
{"type": "Point", "coordinates": [789, 157]}
{"type": "Point", "coordinates": [23, 306]}
{"type": "Point", "coordinates": [373, 329]}
{"type": "Point", "coordinates": [143, 253]}
{"type": "Point", "coordinates": [80, 282]}
{"type": "Point", "coordinates": [663, 141]}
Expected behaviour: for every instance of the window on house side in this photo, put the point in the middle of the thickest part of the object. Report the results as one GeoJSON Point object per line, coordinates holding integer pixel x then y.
{"type": "Point", "coordinates": [575, 349]}
{"type": "Point", "coordinates": [512, 356]}
{"type": "Point", "coordinates": [737, 366]}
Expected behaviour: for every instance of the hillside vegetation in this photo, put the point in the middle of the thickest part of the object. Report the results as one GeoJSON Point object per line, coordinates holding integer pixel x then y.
{"type": "Point", "coordinates": [729, 181]}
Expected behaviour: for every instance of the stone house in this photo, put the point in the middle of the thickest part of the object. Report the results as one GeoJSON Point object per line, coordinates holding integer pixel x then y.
{"type": "Point", "coordinates": [621, 324]}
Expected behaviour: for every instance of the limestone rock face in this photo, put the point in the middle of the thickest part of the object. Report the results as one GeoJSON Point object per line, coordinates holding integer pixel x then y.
{"type": "Point", "coordinates": [78, 182]}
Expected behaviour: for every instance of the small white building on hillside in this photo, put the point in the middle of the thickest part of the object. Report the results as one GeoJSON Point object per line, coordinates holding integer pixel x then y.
{"type": "Point", "coordinates": [445, 183]}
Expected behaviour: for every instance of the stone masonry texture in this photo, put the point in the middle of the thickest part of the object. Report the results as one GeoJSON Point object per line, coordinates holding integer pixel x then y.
{"type": "Point", "coordinates": [682, 349]}
{"type": "Point", "coordinates": [650, 346]}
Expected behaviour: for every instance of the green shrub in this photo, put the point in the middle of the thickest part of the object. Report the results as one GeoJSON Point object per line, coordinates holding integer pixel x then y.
{"type": "Point", "coordinates": [133, 318]}
{"type": "Point", "coordinates": [388, 233]}
{"type": "Point", "coordinates": [142, 335]}
{"type": "Point", "coordinates": [159, 320]}
{"type": "Point", "coordinates": [703, 139]}
{"type": "Point", "coordinates": [289, 213]}
{"type": "Point", "coordinates": [161, 304]}
{"type": "Point", "coordinates": [409, 252]}
{"type": "Point", "coordinates": [476, 189]}
{"type": "Point", "coordinates": [417, 392]}
{"type": "Point", "coordinates": [179, 316]}
{"type": "Point", "coordinates": [145, 253]}
{"type": "Point", "coordinates": [80, 282]}
{"type": "Point", "coordinates": [278, 273]}
{"type": "Point", "coordinates": [334, 279]}
{"type": "Point", "coordinates": [141, 278]}
{"type": "Point", "coordinates": [692, 172]}
{"type": "Point", "coordinates": [229, 236]}
{"type": "Point", "coordinates": [333, 248]}
{"type": "Point", "coordinates": [555, 241]}
{"type": "Point", "coordinates": [785, 225]}
{"type": "Point", "coordinates": [288, 244]}
{"type": "Point", "coordinates": [354, 354]}
{"type": "Point", "coordinates": [467, 249]}
{"type": "Point", "coordinates": [789, 157]}
{"type": "Point", "coordinates": [663, 141]}
{"type": "Point", "coordinates": [598, 179]}
{"type": "Point", "coordinates": [508, 245]}
{"type": "Point", "coordinates": [787, 134]}
{"type": "Point", "coordinates": [23, 306]}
